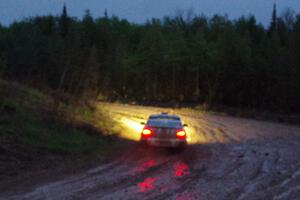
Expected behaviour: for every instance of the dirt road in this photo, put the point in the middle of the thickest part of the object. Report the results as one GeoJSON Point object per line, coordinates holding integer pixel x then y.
{"type": "Point", "coordinates": [227, 158]}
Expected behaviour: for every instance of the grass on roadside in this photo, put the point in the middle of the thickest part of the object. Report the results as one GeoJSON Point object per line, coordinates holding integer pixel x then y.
{"type": "Point", "coordinates": [30, 117]}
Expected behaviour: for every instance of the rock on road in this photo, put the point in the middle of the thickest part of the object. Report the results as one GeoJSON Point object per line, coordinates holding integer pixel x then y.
{"type": "Point", "coordinates": [227, 158]}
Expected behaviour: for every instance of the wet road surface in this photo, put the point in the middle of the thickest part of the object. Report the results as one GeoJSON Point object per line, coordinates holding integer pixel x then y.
{"type": "Point", "coordinates": [227, 158]}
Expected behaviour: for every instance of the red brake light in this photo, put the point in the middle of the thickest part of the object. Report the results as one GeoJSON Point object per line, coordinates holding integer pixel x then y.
{"type": "Point", "coordinates": [146, 133]}
{"type": "Point", "coordinates": [181, 134]}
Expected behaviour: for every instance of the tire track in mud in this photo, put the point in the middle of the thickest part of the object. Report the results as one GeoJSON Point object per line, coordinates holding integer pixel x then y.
{"type": "Point", "coordinates": [165, 162]}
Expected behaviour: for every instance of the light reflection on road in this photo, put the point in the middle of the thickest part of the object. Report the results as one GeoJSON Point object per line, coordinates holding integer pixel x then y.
{"type": "Point", "coordinates": [161, 182]}
{"type": "Point", "coordinates": [144, 166]}
{"type": "Point", "coordinates": [180, 169]}
{"type": "Point", "coordinates": [146, 185]}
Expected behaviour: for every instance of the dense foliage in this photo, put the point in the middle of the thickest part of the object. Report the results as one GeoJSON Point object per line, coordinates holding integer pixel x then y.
{"type": "Point", "coordinates": [236, 63]}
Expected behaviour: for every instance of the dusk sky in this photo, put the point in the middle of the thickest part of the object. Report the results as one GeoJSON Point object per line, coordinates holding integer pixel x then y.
{"type": "Point", "coordinates": [140, 10]}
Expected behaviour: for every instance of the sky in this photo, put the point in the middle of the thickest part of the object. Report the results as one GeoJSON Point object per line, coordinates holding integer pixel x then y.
{"type": "Point", "coordinates": [139, 11]}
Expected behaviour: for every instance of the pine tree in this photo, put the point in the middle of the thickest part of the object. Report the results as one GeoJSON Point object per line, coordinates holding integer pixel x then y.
{"type": "Point", "coordinates": [64, 22]}
{"type": "Point", "coordinates": [64, 28]}
{"type": "Point", "coordinates": [105, 14]}
{"type": "Point", "coordinates": [273, 25]}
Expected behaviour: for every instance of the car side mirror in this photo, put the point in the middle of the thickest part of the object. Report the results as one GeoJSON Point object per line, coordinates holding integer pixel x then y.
{"type": "Point", "coordinates": [185, 125]}
{"type": "Point", "coordinates": [143, 123]}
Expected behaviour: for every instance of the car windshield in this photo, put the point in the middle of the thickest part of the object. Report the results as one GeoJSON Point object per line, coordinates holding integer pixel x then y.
{"type": "Point", "coordinates": [164, 122]}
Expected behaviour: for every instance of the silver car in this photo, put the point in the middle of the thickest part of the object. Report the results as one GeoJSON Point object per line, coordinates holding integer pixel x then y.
{"type": "Point", "coordinates": [164, 130]}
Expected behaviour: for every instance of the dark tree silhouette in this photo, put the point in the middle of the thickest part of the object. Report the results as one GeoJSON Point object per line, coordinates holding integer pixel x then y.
{"type": "Point", "coordinates": [213, 60]}
{"type": "Point", "coordinates": [273, 26]}
{"type": "Point", "coordinates": [64, 22]}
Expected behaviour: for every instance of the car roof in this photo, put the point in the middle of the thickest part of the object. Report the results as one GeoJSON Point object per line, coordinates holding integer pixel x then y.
{"type": "Point", "coordinates": [164, 115]}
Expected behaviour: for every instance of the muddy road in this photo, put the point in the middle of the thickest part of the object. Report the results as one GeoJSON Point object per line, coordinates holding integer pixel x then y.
{"type": "Point", "coordinates": [227, 158]}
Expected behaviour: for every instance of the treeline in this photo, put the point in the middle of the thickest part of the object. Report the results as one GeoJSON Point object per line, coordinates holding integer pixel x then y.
{"type": "Point", "coordinates": [213, 60]}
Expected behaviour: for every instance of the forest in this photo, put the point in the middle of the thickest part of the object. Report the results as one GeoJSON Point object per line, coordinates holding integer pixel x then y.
{"type": "Point", "coordinates": [184, 58]}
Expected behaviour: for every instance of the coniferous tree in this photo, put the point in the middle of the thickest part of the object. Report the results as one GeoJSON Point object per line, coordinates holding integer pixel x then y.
{"type": "Point", "coordinates": [105, 14]}
{"type": "Point", "coordinates": [273, 26]}
{"type": "Point", "coordinates": [64, 22]}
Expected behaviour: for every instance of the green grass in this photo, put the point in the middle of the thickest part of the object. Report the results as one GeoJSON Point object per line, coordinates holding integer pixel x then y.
{"type": "Point", "coordinates": [59, 139]}
{"type": "Point", "coordinates": [25, 118]}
